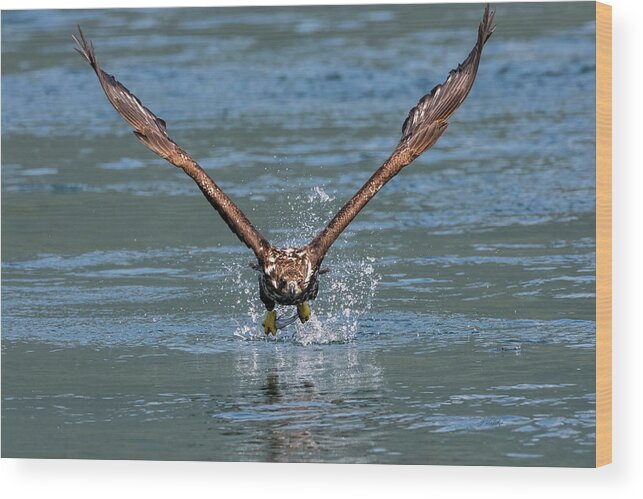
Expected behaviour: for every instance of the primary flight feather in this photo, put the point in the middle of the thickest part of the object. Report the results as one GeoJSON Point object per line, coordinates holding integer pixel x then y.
{"type": "Point", "coordinates": [289, 276]}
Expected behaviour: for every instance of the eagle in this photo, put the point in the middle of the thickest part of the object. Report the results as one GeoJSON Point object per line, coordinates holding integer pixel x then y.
{"type": "Point", "coordinates": [289, 276]}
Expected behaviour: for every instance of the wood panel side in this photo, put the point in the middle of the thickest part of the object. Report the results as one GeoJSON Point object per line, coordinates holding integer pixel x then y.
{"type": "Point", "coordinates": [603, 234]}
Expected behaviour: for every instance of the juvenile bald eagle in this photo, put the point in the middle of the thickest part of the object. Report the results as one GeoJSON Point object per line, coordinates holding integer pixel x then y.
{"type": "Point", "coordinates": [288, 276]}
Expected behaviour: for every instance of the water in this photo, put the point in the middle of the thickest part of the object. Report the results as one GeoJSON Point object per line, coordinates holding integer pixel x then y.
{"type": "Point", "coordinates": [457, 323]}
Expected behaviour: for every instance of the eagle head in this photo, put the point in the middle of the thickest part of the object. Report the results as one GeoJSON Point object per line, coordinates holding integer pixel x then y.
{"type": "Point", "coordinates": [288, 276]}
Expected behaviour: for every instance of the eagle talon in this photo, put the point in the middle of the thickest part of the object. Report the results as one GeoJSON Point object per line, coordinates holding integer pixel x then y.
{"type": "Point", "coordinates": [270, 323]}
{"type": "Point", "coordinates": [303, 311]}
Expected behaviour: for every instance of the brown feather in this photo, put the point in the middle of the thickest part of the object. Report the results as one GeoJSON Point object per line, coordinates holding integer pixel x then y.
{"type": "Point", "coordinates": [151, 131]}
{"type": "Point", "coordinates": [424, 125]}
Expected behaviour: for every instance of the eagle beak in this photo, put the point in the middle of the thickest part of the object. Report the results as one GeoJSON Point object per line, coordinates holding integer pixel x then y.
{"type": "Point", "coordinates": [293, 289]}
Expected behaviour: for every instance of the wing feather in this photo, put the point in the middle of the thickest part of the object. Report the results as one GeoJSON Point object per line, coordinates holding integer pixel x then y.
{"type": "Point", "coordinates": [443, 100]}
{"type": "Point", "coordinates": [151, 131]}
{"type": "Point", "coordinates": [424, 125]}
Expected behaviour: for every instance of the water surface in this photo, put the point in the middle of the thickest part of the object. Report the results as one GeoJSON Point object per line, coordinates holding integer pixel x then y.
{"type": "Point", "coordinates": [457, 324]}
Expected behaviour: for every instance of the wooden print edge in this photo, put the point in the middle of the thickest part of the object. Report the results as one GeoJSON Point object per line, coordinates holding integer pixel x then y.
{"type": "Point", "coordinates": [603, 234]}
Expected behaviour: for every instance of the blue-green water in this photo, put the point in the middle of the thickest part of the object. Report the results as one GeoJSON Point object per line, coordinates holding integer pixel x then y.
{"type": "Point", "coordinates": [457, 324]}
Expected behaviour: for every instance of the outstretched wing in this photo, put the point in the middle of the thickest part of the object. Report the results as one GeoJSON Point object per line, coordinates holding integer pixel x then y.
{"type": "Point", "coordinates": [424, 125]}
{"type": "Point", "coordinates": [150, 130]}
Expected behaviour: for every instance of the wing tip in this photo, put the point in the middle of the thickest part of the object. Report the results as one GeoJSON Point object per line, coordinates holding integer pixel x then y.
{"type": "Point", "coordinates": [469, 66]}
{"type": "Point", "coordinates": [85, 48]}
{"type": "Point", "coordinates": [487, 27]}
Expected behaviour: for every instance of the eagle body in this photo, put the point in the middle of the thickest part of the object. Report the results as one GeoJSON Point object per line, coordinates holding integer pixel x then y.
{"type": "Point", "coordinates": [289, 276]}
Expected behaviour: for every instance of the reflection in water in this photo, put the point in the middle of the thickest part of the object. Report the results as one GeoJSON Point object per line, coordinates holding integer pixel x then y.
{"type": "Point", "coordinates": [298, 403]}
{"type": "Point", "coordinates": [290, 436]}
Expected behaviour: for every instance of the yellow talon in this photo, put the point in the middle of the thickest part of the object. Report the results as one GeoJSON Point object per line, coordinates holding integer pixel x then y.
{"type": "Point", "coordinates": [303, 311]}
{"type": "Point", "coordinates": [270, 323]}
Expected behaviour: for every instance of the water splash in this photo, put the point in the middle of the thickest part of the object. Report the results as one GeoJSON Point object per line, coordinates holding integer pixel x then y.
{"type": "Point", "coordinates": [345, 294]}
{"type": "Point", "coordinates": [318, 194]}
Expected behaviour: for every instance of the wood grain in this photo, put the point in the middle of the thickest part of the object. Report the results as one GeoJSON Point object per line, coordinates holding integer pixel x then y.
{"type": "Point", "coordinates": [603, 234]}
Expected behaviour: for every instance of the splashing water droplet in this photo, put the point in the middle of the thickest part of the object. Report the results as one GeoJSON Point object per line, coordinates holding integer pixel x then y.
{"type": "Point", "coordinates": [318, 194]}
{"type": "Point", "coordinates": [345, 294]}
